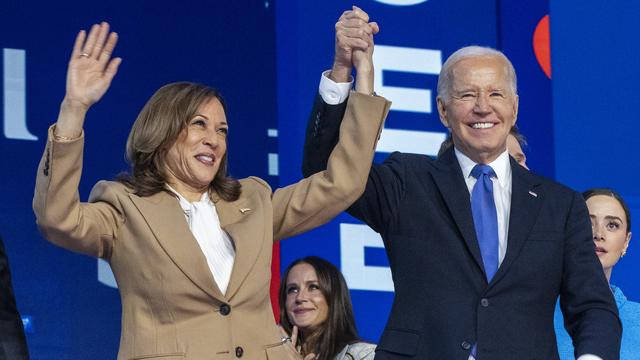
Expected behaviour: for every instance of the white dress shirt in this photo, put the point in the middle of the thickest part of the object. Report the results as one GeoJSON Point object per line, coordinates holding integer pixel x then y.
{"type": "Point", "coordinates": [501, 192]}
{"type": "Point", "coordinates": [216, 245]}
{"type": "Point", "coordinates": [334, 93]}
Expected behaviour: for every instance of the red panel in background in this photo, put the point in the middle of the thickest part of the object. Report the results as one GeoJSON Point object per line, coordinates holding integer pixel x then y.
{"type": "Point", "coordinates": [275, 280]}
{"type": "Point", "coordinates": [541, 46]}
{"type": "Point", "coordinates": [524, 38]}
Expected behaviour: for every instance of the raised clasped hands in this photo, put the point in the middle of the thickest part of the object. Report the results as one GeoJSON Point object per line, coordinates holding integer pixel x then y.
{"type": "Point", "coordinates": [89, 75]}
{"type": "Point", "coordinates": [354, 48]}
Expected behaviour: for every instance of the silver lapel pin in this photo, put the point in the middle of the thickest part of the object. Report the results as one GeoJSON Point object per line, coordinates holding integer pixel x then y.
{"type": "Point", "coordinates": [533, 194]}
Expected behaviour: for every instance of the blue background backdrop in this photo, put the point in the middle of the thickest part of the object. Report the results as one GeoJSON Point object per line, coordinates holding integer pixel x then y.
{"type": "Point", "coordinates": [266, 57]}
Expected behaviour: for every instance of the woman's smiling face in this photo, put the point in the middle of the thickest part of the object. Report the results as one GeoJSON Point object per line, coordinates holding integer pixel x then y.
{"type": "Point", "coordinates": [306, 305]}
{"type": "Point", "coordinates": [194, 158]}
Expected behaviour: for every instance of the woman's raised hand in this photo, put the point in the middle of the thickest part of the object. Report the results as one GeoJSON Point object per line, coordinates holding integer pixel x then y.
{"type": "Point", "coordinates": [89, 75]}
{"type": "Point", "coordinates": [91, 67]}
{"type": "Point", "coordinates": [292, 344]}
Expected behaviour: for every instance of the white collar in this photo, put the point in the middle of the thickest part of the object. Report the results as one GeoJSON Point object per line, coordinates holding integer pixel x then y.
{"type": "Point", "coordinates": [501, 165]}
{"type": "Point", "coordinates": [185, 204]}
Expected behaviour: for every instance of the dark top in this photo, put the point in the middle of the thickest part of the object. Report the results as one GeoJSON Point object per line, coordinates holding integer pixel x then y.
{"type": "Point", "coordinates": [12, 340]}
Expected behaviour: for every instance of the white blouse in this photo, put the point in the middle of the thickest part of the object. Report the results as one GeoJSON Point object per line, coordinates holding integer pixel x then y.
{"type": "Point", "coordinates": [216, 245]}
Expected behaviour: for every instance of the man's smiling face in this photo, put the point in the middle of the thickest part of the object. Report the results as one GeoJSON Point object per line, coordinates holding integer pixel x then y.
{"type": "Point", "coordinates": [481, 107]}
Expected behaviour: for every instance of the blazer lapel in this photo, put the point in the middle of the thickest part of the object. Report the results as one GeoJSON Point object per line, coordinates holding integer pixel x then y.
{"type": "Point", "coordinates": [525, 206]}
{"type": "Point", "coordinates": [166, 220]}
{"type": "Point", "coordinates": [450, 181]}
{"type": "Point", "coordinates": [247, 237]}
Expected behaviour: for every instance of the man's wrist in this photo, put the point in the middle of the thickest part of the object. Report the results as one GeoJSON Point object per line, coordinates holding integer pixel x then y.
{"type": "Point", "coordinates": [334, 93]}
{"type": "Point", "coordinates": [340, 73]}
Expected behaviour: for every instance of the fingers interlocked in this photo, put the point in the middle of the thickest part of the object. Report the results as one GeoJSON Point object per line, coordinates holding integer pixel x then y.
{"type": "Point", "coordinates": [354, 31]}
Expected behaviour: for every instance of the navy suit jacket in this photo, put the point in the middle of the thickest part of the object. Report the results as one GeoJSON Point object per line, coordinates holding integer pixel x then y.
{"type": "Point", "coordinates": [443, 304]}
{"type": "Point", "coordinates": [12, 340]}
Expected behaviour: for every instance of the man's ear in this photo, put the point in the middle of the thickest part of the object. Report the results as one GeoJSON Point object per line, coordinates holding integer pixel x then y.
{"type": "Point", "coordinates": [515, 110]}
{"type": "Point", "coordinates": [442, 112]}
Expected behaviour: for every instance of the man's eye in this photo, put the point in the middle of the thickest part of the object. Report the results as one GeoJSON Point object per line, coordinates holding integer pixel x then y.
{"type": "Point", "coordinates": [223, 131]}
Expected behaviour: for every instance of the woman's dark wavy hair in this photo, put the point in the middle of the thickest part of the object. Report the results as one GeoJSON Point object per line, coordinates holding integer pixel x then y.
{"type": "Point", "coordinates": [157, 128]}
{"type": "Point", "coordinates": [611, 193]}
{"type": "Point", "coordinates": [339, 329]}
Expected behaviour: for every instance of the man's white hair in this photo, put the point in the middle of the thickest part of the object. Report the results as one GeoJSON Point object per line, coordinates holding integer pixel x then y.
{"type": "Point", "coordinates": [446, 73]}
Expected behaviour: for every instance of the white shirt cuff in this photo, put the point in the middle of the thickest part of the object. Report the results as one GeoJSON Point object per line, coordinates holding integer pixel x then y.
{"type": "Point", "coordinates": [589, 357]}
{"type": "Point", "coordinates": [333, 93]}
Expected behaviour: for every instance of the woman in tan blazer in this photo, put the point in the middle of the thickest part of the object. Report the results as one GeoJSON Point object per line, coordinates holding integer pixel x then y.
{"type": "Point", "coordinates": [189, 246]}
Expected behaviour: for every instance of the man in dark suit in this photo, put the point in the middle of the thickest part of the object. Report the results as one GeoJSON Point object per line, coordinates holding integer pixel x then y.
{"type": "Point", "coordinates": [12, 341]}
{"type": "Point", "coordinates": [479, 247]}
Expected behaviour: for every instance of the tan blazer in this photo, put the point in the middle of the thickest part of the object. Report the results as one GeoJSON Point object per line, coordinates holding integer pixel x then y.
{"type": "Point", "coordinates": [171, 305]}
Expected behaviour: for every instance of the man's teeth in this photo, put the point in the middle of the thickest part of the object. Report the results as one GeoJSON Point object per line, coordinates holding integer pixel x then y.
{"type": "Point", "coordinates": [482, 125]}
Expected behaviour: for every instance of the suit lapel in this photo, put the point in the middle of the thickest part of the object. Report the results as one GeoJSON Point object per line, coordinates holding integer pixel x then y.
{"type": "Point", "coordinates": [525, 206]}
{"type": "Point", "coordinates": [166, 220]}
{"type": "Point", "coordinates": [453, 188]}
{"type": "Point", "coordinates": [248, 238]}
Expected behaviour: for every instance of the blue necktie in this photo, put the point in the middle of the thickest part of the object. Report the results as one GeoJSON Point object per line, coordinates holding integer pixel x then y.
{"type": "Point", "coordinates": [485, 220]}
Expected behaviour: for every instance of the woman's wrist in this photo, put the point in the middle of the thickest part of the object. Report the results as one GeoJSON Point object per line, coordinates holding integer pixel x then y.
{"type": "Point", "coordinates": [73, 105]}
{"type": "Point", "coordinates": [364, 80]}
{"type": "Point", "coordinates": [70, 119]}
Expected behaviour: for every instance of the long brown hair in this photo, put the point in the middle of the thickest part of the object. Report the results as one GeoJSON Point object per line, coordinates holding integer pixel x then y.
{"type": "Point", "coordinates": [157, 127]}
{"type": "Point", "coordinates": [339, 330]}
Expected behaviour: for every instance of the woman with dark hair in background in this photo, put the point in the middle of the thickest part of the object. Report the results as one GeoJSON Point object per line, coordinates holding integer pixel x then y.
{"type": "Point", "coordinates": [315, 308]}
{"type": "Point", "coordinates": [190, 247]}
{"type": "Point", "coordinates": [611, 224]}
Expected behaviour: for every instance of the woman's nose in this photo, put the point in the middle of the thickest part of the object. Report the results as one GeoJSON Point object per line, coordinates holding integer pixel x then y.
{"type": "Point", "coordinates": [211, 140]}
{"type": "Point", "coordinates": [598, 234]}
{"type": "Point", "coordinates": [301, 296]}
